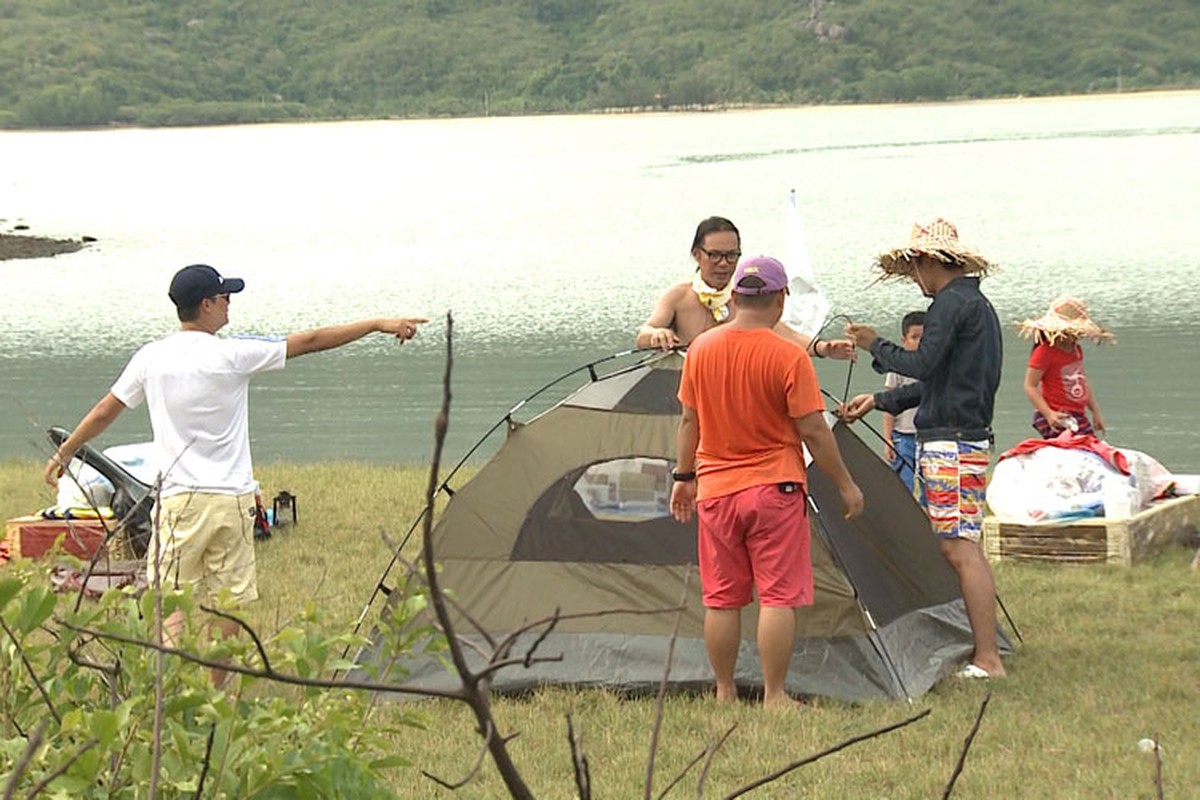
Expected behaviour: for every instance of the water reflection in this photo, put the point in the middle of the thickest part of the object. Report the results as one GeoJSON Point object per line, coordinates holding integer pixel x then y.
{"type": "Point", "coordinates": [550, 238]}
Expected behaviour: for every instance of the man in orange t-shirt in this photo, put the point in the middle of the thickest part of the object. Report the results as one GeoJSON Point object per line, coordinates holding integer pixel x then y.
{"type": "Point", "coordinates": [750, 400]}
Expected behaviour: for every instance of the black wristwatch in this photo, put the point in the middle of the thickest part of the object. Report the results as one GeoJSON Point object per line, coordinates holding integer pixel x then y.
{"type": "Point", "coordinates": [683, 476]}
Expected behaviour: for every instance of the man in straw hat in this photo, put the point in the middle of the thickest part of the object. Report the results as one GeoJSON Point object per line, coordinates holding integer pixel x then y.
{"type": "Point", "coordinates": [1054, 379]}
{"type": "Point", "coordinates": [958, 366]}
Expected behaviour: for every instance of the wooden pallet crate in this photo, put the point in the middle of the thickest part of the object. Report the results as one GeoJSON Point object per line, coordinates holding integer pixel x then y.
{"type": "Point", "coordinates": [1096, 540]}
{"type": "Point", "coordinates": [32, 536]}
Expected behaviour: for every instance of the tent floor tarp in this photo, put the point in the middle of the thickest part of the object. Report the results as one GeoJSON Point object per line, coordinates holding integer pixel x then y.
{"type": "Point", "coordinates": [849, 668]}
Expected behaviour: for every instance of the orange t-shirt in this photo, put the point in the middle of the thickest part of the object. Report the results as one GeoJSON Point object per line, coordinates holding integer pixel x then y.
{"type": "Point", "coordinates": [747, 387]}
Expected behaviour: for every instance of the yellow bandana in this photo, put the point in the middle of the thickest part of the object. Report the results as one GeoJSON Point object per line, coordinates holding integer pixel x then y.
{"type": "Point", "coordinates": [715, 300]}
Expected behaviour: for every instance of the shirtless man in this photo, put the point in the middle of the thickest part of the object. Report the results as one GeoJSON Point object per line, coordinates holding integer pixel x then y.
{"type": "Point", "coordinates": [688, 309]}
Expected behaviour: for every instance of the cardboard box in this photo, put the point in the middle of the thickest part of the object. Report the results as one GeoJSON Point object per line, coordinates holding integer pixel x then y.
{"type": "Point", "coordinates": [1096, 540]}
{"type": "Point", "coordinates": [33, 536]}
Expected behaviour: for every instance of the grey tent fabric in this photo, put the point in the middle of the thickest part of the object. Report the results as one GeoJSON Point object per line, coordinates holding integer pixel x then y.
{"type": "Point", "coordinates": [571, 516]}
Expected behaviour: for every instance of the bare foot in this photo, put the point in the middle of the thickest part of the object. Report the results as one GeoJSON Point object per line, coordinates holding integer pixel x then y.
{"type": "Point", "coordinates": [727, 694]}
{"type": "Point", "coordinates": [785, 702]}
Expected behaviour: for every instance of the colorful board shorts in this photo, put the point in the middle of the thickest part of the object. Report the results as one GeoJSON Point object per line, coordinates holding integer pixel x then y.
{"type": "Point", "coordinates": [954, 474]}
{"type": "Point", "coordinates": [207, 540]}
{"type": "Point", "coordinates": [755, 538]}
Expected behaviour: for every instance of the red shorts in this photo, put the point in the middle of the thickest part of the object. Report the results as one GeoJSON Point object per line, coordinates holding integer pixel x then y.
{"type": "Point", "coordinates": [757, 537]}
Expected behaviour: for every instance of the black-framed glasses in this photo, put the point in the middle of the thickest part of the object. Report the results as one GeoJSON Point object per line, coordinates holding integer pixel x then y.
{"type": "Point", "coordinates": [717, 256]}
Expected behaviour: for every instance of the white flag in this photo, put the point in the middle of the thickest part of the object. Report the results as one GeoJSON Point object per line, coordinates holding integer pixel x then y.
{"type": "Point", "coordinates": [806, 308]}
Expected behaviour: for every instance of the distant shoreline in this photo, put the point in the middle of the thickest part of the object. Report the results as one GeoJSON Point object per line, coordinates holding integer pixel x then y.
{"type": "Point", "coordinates": [705, 108]}
{"type": "Point", "coordinates": [16, 245]}
{"type": "Point", "coordinates": [1019, 98]}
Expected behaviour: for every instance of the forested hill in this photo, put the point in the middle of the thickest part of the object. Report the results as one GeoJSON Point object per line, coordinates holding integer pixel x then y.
{"type": "Point", "coordinates": [168, 62]}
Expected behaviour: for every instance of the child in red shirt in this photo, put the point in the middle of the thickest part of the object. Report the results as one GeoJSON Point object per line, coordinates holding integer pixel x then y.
{"type": "Point", "coordinates": [1054, 380]}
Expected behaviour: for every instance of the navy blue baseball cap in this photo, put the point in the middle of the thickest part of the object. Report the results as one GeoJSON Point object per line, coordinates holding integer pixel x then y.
{"type": "Point", "coordinates": [198, 281]}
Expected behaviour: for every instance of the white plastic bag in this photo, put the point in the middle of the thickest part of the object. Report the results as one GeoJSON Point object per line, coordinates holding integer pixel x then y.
{"type": "Point", "coordinates": [1049, 484]}
{"type": "Point", "coordinates": [83, 487]}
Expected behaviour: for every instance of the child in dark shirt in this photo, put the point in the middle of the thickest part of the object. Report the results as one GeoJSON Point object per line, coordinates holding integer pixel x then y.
{"type": "Point", "coordinates": [900, 429]}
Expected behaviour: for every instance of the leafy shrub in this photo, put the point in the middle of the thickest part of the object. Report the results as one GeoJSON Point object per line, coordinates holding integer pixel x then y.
{"type": "Point", "coordinates": [84, 680]}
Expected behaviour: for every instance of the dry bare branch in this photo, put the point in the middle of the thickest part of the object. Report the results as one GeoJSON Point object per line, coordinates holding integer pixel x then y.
{"type": "Point", "coordinates": [779, 773]}
{"type": "Point", "coordinates": [713, 746]}
{"type": "Point", "coordinates": [208, 747]}
{"type": "Point", "coordinates": [579, 763]}
{"type": "Point", "coordinates": [241, 623]}
{"type": "Point", "coordinates": [119, 757]}
{"type": "Point", "coordinates": [541, 637]}
{"type": "Point", "coordinates": [511, 638]}
{"type": "Point", "coordinates": [413, 571]}
{"type": "Point", "coordinates": [478, 700]}
{"type": "Point", "coordinates": [160, 664]}
{"type": "Point", "coordinates": [521, 661]}
{"type": "Point", "coordinates": [110, 672]}
{"type": "Point", "coordinates": [659, 702]}
{"type": "Point", "coordinates": [268, 675]}
{"type": "Point", "coordinates": [709, 750]}
{"type": "Point", "coordinates": [31, 747]}
{"type": "Point", "coordinates": [33, 676]}
{"type": "Point", "coordinates": [483, 751]}
{"type": "Point", "coordinates": [1158, 778]}
{"type": "Point", "coordinates": [962, 755]}
{"type": "Point", "coordinates": [63, 767]}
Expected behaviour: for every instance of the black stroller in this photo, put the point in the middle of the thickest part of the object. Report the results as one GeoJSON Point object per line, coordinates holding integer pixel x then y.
{"type": "Point", "coordinates": [132, 500]}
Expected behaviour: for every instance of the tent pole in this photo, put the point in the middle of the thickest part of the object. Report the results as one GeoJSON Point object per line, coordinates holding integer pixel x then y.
{"type": "Point", "coordinates": [643, 355]}
{"type": "Point", "coordinates": [917, 475]}
{"type": "Point", "coordinates": [1011, 623]}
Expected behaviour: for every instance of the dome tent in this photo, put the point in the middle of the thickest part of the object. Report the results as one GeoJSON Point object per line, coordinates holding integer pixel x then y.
{"type": "Point", "coordinates": [571, 514]}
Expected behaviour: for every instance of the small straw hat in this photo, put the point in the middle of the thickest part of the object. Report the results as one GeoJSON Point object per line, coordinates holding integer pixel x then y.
{"type": "Point", "coordinates": [1067, 316]}
{"type": "Point", "coordinates": [938, 239]}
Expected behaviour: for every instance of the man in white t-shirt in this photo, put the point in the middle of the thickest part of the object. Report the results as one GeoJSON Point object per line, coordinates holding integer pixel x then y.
{"type": "Point", "coordinates": [194, 384]}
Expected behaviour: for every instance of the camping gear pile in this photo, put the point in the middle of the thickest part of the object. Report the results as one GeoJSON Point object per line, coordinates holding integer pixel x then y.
{"type": "Point", "coordinates": [102, 509]}
{"type": "Point", "coordinates": [103, 516]}
{"type": "Point", "coordinates": [1044, 481]}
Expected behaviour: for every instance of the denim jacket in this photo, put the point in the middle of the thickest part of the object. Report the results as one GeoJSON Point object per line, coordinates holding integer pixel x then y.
{"type": "Point", "coordinates": [957, 363]}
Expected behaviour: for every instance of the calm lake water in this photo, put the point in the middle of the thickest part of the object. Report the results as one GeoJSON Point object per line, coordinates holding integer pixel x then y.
{"type": "Point", "coordinates": [549, 239]}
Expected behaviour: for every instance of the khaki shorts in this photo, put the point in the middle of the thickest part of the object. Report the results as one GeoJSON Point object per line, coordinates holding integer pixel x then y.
{"type": "Point", "coordinates": [205, 540]}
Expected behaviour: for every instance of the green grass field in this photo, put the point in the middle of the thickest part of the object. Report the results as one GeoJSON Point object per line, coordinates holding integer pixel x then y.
{"type": "Point", "coordinates": [1111, 655]}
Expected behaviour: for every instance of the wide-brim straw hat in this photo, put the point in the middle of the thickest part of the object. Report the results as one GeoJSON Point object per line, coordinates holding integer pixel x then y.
{"type": "Point", "coordinates": [937, 239]}
{"type": "Point", "coordinates": [1068, 316]}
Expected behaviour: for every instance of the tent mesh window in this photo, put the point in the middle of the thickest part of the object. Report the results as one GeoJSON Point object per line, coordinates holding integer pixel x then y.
{"type": "Point", "coordinates": [626, 489]}
{"type": "Point", "coordinates": [573, 519]}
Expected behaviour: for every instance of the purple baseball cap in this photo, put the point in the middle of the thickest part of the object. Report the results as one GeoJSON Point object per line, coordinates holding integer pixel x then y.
{"type": "Point", "coordinates": [771, 275]}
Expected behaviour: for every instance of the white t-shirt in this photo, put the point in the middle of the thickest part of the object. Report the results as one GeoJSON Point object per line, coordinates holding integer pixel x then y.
{"type": "Point", "coordinates": [904, 422]}
{"type": "Point", "coordinates": [195, 386]}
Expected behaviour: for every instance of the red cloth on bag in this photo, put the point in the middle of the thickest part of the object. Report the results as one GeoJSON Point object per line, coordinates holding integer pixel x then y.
{"type": "Point", "coordinates": [1070, 441]}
